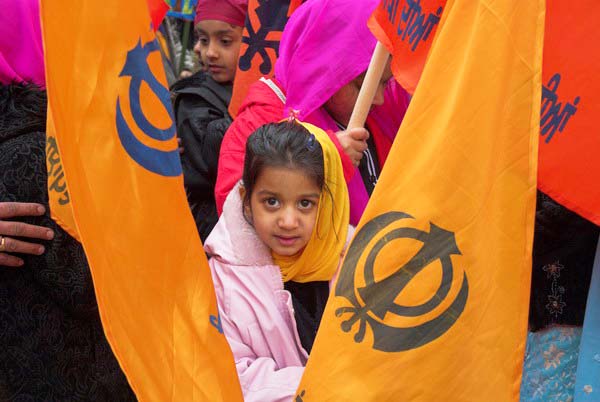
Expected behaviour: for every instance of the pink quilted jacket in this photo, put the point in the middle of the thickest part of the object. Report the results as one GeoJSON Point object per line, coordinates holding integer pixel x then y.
{"type": "Point", "coordinates": [256, 312]}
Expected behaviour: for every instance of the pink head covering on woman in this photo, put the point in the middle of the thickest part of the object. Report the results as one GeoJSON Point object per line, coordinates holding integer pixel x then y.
{"type": "Point", "coordinates": [21, 50]}
{"type": "Point", "coordinates": [325, 45]}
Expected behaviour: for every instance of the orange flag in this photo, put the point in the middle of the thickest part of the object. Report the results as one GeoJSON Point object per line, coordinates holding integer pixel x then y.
{"type": "Point", "coordinates": [111, 119]}
{"type": "Point", "coordinates": [260, 44]}
{"type": "Point", "coordinates": [570, 139]}
{"type": "Point", "coordinates": [58, 193]}
{"type": "Point", "coordinates": [569, 169]}
{"type": "Point", "coordinates": [407, 28]}
{"type": "Point", "coordinates": [432, 298]}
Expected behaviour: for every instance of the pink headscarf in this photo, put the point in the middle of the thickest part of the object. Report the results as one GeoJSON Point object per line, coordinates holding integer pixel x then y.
{"type": "Point", "coordinates": [21, 50]}
{"type": "Point", "coordinates": [231, 11]}
{"type": "Point", "coordinates": [325, 45]}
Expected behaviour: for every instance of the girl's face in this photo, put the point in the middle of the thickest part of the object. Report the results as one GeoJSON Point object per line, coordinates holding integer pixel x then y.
{"type": "Point", "coordinates": [218, 47]}
{"type": "Point", "coordinates": [283, 209]}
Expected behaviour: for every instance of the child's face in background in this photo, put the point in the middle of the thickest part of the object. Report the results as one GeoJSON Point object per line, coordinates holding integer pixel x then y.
{"type": "Point", "coordinates": [218, 47]}
{"type": "Point", "coordinates": [283, 209]}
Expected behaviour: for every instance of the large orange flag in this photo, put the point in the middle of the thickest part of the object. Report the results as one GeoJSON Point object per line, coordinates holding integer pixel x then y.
{"type": "Point", "coordinates": [432, 299]}
{"type": "Point", "coordinates": [58, 193]}
{"type": "Point", "coordinates": [112, 122]}
{"type": "Point", "coordinates": [569, 168]}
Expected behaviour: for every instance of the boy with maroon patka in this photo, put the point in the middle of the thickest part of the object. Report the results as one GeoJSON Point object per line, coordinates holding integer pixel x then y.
{"type": "Point", "coordinates": [201, 103]}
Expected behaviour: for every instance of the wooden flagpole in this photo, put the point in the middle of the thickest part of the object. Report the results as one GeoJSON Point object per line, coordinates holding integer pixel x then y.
{"type": "Point", "coordinates": [369, 87]}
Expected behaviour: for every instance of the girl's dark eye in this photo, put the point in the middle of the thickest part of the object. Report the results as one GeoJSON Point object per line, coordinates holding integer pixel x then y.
{"type": "Point", "coordinates": [272, 202]}
{"type": "Point", "coordinates": [305, 204]}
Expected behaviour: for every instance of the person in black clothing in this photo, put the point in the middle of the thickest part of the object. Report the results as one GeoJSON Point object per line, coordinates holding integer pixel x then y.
{"type": "Point", "coordinates": [202, 119]}
{"type": "Point", "coordinates": [564, 248]}
{"type": "Point", "coordinates": [52, 345]}
{"type": "Point", "coordinates": [201, 101]}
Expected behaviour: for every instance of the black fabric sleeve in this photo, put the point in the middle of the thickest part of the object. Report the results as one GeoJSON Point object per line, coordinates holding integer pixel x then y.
{"type": "Point", "coordinates": [193, 118]}
{"type": "Point", "coordinates": [62, 272]}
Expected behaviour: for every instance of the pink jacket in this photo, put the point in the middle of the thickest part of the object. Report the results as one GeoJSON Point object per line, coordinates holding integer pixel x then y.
{"type": "Point", "coordinates": [256, 312]}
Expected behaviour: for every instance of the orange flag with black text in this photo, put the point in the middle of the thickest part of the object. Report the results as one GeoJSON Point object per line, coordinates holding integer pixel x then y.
{"type": "Point", "coordinates": [260, 44]}
{"type": "Point", "coordinates": [569, 167]}
{"type": "Point", "coordinates": [112, 122]}
{"type": "Point", "coordinates": [568, 164]}
{"type": "Point", "coordinates": [432, 298]}
{"type": "Point", "coordinates": [407, 28]}
{"type": "Point", "coordinates": [58, 193]}
{"type": "Point", "coordinates": [59, 199]}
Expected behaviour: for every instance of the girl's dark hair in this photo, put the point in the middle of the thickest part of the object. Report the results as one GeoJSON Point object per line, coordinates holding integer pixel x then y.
{"type": "Point", "coordinates": [286, 144]}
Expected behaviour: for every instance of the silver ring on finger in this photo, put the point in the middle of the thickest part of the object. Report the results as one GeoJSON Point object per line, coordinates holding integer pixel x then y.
{"type": "Point", "coordinates": [2, 244]}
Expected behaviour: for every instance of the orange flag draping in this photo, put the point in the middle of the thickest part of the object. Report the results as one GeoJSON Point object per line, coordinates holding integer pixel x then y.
{"type": "Point", "coordinates": [407, 28]}
{"type": "Point", "coordinates": [260, 44]}
{"type": "Point", "coordinates": [58, 193]}
{"type": "Point", "coordinates": [59, 199]}
{"type": "Point", "coordinates": [432, 298]}
{"type": "Point", "coordinates": [110, 115]}
{"type": "Point", "coordinates": [569, 170]}
{"type": "Point", "coordinates": [569, 166]}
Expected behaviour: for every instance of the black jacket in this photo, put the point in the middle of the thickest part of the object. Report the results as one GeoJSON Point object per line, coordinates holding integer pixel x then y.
{"type": "Point", "coordinates": [202, 118]}
{"type": "Point", "coordinates": [52, 346]}
{"type": "Point", "coordinates": [564, 246]}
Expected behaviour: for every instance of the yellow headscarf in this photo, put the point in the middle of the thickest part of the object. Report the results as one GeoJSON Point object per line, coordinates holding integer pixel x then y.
{"type": "Point", "coordinates": [321, 256]}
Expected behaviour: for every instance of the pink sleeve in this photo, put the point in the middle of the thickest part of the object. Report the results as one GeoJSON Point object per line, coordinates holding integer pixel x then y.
{"type": "Point", "coordinates": [260, 378]}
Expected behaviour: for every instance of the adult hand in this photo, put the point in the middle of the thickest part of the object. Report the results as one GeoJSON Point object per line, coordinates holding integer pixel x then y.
{"type": "Point", "coordinates": [354, 143]}
{"type": "Point", "coordinates": [10, 229]}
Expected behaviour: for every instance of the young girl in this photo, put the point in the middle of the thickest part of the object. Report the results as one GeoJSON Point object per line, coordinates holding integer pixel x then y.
{"type": "Point", "coordinates": [273, 252]}
{"type": "Point", "coordinates": [324, 51]}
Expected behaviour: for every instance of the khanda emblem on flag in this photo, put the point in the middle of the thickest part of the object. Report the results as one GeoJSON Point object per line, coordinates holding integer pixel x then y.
{"type": "Point", "coordinates": [158, 151]}
{"type": "Point", "coordinates": [270, 18]}
{"type": "Point", "coordinates": [374, 300]}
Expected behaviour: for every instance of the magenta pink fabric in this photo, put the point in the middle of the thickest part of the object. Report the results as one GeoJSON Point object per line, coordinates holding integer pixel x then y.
{"type": "Point", "coordinates": [21, 50]}
{"type": "Point", "coordinates": [325, 45]}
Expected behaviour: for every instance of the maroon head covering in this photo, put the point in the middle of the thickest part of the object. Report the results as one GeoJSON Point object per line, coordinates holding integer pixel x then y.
{"type": "Point", "coordinates": [230, 11]}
